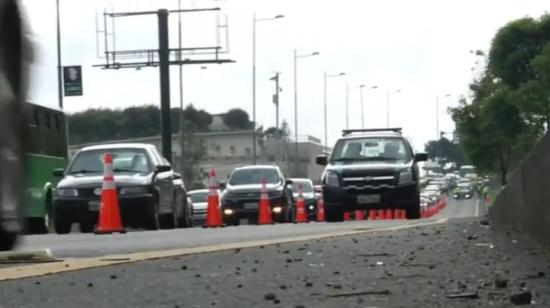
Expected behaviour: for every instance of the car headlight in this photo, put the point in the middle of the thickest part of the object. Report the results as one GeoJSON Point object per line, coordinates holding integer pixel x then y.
{"type": "Point", "coordinates": [405, 177]}
{"type": "Point", "coordinates": [133, 190]}
{"type": "Point", "coordinates": [467, 196]}
{"type": "Point", "coordinates": [67, 192]}
{"type": "Point", "coordinates": [331, 179]}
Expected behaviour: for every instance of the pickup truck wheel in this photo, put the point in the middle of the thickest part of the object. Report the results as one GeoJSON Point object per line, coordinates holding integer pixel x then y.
{"type": "Point", "coordinates": [7, 240]}
{"type": "Point", "coordinates": [86, 226]}
{"type": "Point", "coordinates": [62, 226]}
{"type": "Point", "coordinates": [333, 214]}
{"type": "Point", "coordinates": [413, 212]}
{"type": "Point", "coordinates": [152, 221]}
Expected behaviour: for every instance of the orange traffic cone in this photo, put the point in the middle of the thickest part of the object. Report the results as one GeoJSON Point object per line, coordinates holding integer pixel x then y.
{"type": "Point", "coordinates": [396, 214]}
{"type": "Point", "coordinates": [321, 209]}
{"type": "Point", "coordinates": [213, 215]}
{"type": "Point", "coordinates": [403, 214]}
{"type": "Point", "coordinates": [372, 214]}
{"type": "Point", "coordinates": [346, 215]}
{"type": "Point", "coordinates": [109, 211]}
{"type": "Point", "coordinates": [381, 215]}
{"type": "Point", "coordinates": [389, 214]}
{"type": "Point", "coordinates": [264, 212]}
{"type": "Point", "coordinates": [359, 215]}
{"type": "Point", "coordinates": [300, 207]}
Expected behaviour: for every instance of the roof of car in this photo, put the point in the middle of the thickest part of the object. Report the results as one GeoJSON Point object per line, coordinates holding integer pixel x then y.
{"type": "Point", "coordinates": [258, 167]}
{"type": "Point", "coordinates": [119, 146]}
{"type": "Point", "coordinates": [197, 191]}
{"type": "Point", "coordinates": [373, 135]}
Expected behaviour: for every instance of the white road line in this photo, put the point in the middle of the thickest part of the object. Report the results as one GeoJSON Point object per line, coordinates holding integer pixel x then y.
{"type": "Point", "coordinates": [477, 208]}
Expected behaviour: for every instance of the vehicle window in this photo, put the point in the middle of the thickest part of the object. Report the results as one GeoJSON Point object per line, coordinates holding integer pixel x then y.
{"type": "Point", "coordinates": [306, 186]}
{"type": "Point", "coordinates": [124, 161]}
{"type": "Point", "coordinates": [375, 149]}
{"type": "Point", "coordinates": [254, 176]}
{"type": "Point", "coordinates": [199, 196]}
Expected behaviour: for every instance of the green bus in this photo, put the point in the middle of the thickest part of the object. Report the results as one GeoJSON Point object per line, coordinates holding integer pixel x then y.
{"type": "Point", "coordinates": [46, 150]}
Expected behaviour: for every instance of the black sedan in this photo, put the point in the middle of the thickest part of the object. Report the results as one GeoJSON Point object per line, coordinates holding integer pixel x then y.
{"type": "Point", "coordinates": [150, 194]}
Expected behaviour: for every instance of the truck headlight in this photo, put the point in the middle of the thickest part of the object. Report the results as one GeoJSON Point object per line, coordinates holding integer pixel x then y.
{"type": "Point", "coordinates": [67, 192]}
{"type": "Point", "coordinates": [405, 177]}
{"type": "Point", "coordinates": [133, 190]}
{"type": "Point", "coordinates": [332, 179]}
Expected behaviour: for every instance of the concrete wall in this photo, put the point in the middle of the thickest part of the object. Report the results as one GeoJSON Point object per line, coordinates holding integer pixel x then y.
{"type": "Point", "coordinates": [524, 204]}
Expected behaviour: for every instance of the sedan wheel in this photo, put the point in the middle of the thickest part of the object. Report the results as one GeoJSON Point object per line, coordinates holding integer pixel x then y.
{"type": "Point", "coordinates": [152, 221]}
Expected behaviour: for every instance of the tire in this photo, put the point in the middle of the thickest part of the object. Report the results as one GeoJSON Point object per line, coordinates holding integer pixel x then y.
{"type": "Point", "coordinates": [152, 221]}
{"type": "Point", "coordinates": [62, 226]}
{"type": "Point", "coordinates": [42, 225]}
{"type": "Point", "coordinates": [7, 240]}
{"type": "Point", "coordinates": [333, 214]}
{"type": "Point", "coordinates": [413, 212]}
{"type": "Point", "coordinates": [86, 226]}
{"type": "Point", "coordinates": [290, 212]}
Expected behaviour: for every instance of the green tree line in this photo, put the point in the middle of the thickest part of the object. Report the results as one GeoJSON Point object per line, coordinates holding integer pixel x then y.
{"type": "Point", "coordinates": [509, 105]}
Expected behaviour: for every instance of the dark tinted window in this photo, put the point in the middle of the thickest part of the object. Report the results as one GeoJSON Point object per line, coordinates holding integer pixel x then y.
{"type": "Point", "coordinates": [199, 196]}
{"type": "Point", "coordinates": [254, 176]}
{"type": "Point", "coordinates": [124, 161]}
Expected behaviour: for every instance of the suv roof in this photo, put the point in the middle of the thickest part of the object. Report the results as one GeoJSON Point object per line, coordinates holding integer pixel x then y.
{"type": "Point", "coordinates": [372, 132]}
{"type": "Point", "coordinates": [257, 167]}
{"type": "Point", "coordinates": [119, 146]}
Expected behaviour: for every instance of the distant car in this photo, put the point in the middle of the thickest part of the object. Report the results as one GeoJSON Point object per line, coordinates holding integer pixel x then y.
{"type": "Point", "coordinates": [308, 194]}
{"type": "Point", "coordinates": [241, 196]}
{"type": "Point", "coordinates": [199, 201]}
{"type": "Point", "coordinates": [463, 191]}
{"type": "Point", "coordinates": [150, 194]}
{"type": "Point", "coordinates": [443, 185]}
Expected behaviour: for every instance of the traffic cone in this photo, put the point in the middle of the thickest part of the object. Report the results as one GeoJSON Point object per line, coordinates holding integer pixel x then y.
{"type": "Point", "coordinates": [381, 215]}
{"type": "Point", "coordinates": [213, 215]}
{"type": "Point", "coordinates": [264, 212]}
{"type": "Point", "coordinates": [389, 214]}
{"type": "Point", "coordinates": [321, 209]}
{"type": "Point", "coordinates": [300, 207]}
{"type": "Point", "coordinates": [109, 211]}
{"type": "Point", "coordinates": [403, 214]}
{"type": "Point", "coordinates": [396, 214]}
{"type": "Point", "coordinates": [346, 215]}
{"type": "Point", "coordinates": [359, 215]}
{"type": "Point", "coordinates": [372, 214]}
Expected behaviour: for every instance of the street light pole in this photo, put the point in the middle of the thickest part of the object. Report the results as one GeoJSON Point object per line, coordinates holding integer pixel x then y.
{"type": "Point", "coordinates": [254, 21]}
{"type": "Point", "coordinates": [296, 56]}
{"type": "Point", "coordinates": [325, 77]}
{"type": "Point", "coordinates": [59, 68]}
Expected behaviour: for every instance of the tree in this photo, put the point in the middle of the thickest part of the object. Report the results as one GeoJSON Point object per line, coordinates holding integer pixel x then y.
{"type": "Point", "coordinates": [445, 149]}
{"type": "Point", "coordinates": [237, 119]}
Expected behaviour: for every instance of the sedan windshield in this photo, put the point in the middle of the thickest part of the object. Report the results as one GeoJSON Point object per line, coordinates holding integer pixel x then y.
{"type": "Point", "coordinates": [124, 161]}
{"type": "Point", "coordinates": [199, 197]}
{"type": "Point", "coordinates": [254, 176]}
{"type": "Point", "coordinates": [371, 149]}
{"type": "Point", "coordinates": [306, 186]}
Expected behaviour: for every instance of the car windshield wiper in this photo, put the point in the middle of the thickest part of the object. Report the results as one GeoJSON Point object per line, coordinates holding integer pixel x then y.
{"type": "Point", "coordinates": [127, 170]}
{"type": "Point", "coordinates": [84, 171]}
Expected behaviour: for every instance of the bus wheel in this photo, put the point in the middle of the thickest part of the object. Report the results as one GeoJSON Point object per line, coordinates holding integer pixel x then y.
{"type": "Point", "coordinates": [7, 240]}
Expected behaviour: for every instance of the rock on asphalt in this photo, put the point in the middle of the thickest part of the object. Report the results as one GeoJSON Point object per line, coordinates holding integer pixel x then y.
{"type": "Point", "coordinates": [462, 263]}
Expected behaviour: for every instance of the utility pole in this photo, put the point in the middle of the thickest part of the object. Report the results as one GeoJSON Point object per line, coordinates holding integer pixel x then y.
{"type": "Point", "coordinates": [164, 71]}
{"type": "Point", "coordinates": [276, 102]}
{"type": "Point", "coordinates": [59, 68]}
{"type": "Point", "coordinates": [182, 118]}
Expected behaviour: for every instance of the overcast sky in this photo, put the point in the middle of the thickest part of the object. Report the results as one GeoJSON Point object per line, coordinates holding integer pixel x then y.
{"type": "Point", "coordinates": [420, 47]}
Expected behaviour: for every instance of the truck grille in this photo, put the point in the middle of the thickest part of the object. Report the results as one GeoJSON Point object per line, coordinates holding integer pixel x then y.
{"type": "Point", "coordinates": [369, 182]}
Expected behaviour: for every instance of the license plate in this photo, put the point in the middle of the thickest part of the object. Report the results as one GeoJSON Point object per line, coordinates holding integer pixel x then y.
{"type": "Point", "coordinates": [368, 199]}
{"type": "Point", "coordinates": [94, 205]}
{"type": "Point", "coordinates": [251, 206]}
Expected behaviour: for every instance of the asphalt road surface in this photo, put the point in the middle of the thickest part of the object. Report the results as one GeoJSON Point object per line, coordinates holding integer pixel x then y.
{"type": "Point", "coordinates": [88, 245]}
{"type": "Point", "coordinates": [450, 263]}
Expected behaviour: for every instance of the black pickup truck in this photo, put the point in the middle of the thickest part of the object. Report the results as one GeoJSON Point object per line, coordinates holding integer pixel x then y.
{"type": "Point", "coordinates": [371, 169]}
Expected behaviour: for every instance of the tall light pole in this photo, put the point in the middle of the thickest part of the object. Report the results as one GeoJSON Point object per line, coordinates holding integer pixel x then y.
{"type": "Point", "coordinates": [59, 68]}
{"type": "Point", "coordinates": [361, 88]}
{"type": "Point", "coordinates": [438, 136]}
{"type": "Point", "coordinates": [388, 92]}
{"type": "Point", "coordinates": [296, 57]}
{"type": "Point", "coordinates": [254, 21]}
{"type": "Point", "coordinates": [325, 77]}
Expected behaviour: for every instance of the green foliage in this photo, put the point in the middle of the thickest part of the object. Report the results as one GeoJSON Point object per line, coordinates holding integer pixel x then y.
{"type": "Point", "coordinates": [237, 119]}
{"type": "Point", "coordinates": [445, 149]}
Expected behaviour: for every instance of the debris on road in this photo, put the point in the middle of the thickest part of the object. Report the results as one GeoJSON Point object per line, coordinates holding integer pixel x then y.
{"type": "Point", "coordinates": [501, 283]}
{"type": "Point", "coordinates": [360, 293]}
{"type": "Point", "coordinates": [522, 298]}
{"type": "Point", "coordinates": [470, 295]}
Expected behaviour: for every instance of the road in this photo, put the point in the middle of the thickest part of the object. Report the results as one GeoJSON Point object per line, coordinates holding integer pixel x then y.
{"type": "Point", "coordinates": [90, 245]}
{"type": "Point", "coordinates": [351, 264]}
